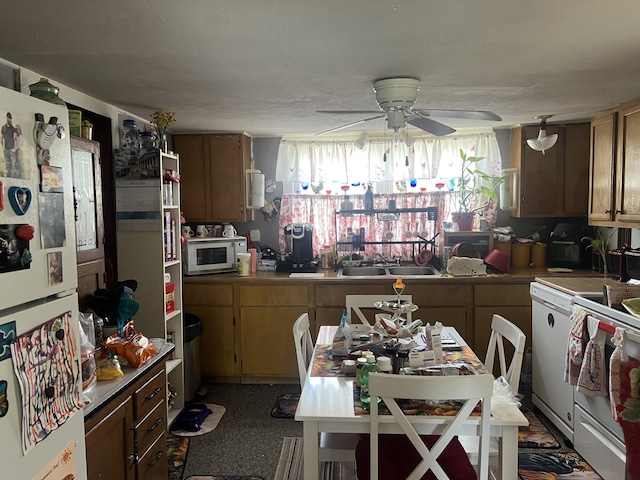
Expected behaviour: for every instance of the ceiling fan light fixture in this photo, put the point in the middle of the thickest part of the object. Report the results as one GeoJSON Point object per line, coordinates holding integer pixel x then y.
{"type": "Point", "coordinates": [544, 141]}
{"type": "Point", "coordinates": [407, 139]}
{"type": "Point", "coordinates": [396, 120]}
{"type": "Point", "coordinates": [360, 141]}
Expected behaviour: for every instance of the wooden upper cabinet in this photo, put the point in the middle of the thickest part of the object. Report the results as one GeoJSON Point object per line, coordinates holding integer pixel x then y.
{"type": "Point", "coordinates": [212, 177]}
{"type": "Point", "coordinates": [553, 184]}
{"type": "Point", "coordinates": [627, 199]}
{"type": "Point", "coordinates": [603, 161]}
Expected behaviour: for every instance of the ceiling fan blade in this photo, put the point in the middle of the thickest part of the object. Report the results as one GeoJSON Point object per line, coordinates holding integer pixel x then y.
{"type": "Point", "coordinates": [343, 112]}
{"type": "Point", "coordinates": [350, 124]}
{"type": "Point", "coordinates": [436, 128]}
{"type": "Point", "coordinates": [465, 114]}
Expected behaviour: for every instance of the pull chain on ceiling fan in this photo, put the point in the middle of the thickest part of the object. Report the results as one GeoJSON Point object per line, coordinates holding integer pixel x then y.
{"type": "Point", "coordinates": [395, 97]}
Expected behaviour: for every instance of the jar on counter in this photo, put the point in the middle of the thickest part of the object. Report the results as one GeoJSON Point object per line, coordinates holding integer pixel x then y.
{"type": "Point", "coordinates": [130, 137]}
{"type": "Point", "coordinates": [326, 257]}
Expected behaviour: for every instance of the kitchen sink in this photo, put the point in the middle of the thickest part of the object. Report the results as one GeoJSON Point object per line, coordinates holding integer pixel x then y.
{"type": "Point", "coordinates": [362, 271]}
{"type": "Point", "coordinates": [406, 271]}
{"type": "Point", "coordinates": [411, 271]}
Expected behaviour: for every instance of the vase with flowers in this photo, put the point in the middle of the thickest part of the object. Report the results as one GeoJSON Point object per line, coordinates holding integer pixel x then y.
{"type": "Point", "coordinates": [162, 121]}
{"type": "Point", "coordinates": [471, 184]}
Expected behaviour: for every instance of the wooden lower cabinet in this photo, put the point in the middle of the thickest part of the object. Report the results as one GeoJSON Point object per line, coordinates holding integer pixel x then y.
{"type": "Point", "coordinates": [267, 315]}
{"type": "Point", "coordinates": [511, 301]}
{"type": "Point", "coordinates": [126, 438]}
{"type": "Point", "coordinates": [213, 304]}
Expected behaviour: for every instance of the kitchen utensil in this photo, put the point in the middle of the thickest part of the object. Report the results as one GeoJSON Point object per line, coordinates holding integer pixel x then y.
{"type": "Point", "coordinates": [388, 235]}
{"type": "Point", "coordinates": [424, 232]}
{"type": "Point", "coordinates": [498, 260]}
{"type": "Point", "coordinates": [416, 231]}
{"type": "Point", "coordinates": [408, 233]}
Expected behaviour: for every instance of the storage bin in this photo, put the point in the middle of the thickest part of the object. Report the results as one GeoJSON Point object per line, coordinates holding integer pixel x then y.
{"type": "Point", "coordinates": [520, 254]}
{"type": "Point", "coordinates": [539, 255]}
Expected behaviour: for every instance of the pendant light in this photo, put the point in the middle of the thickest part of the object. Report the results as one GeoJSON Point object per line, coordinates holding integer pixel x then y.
{"type": "Point", "coordinates": [544, 141]}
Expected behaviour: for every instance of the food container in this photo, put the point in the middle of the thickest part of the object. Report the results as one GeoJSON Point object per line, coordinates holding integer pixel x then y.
{"type": "Point", "coordinates": [539, 255]}
{"type": "Point", "coordinates": [520, 254]}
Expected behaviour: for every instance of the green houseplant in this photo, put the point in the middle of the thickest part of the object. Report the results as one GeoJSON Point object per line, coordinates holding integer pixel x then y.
{"type": "Point", "coordinates": [472, 183]}
{"type": "Point", "coordinates": [600, 244]}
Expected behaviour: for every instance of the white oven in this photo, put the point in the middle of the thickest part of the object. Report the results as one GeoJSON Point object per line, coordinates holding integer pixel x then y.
{"type": "Point", "coordinates": [202, 256]}
{"type": "Point", "coordinates": [597, 436]}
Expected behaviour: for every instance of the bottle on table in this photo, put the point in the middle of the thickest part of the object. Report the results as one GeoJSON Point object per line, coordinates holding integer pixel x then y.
{"type": "Point", "coordinates": [368, 201]}
{"type": "Point", "coordinates": [365, 397]}
{"type": "Point", "coordinates": [360, 362]}
{"type": "Point", "coordinates": [384, 364]}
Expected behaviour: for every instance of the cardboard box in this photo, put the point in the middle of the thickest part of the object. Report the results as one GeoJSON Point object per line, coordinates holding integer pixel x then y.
{"type": "Point", "coordinates": [75, 122]}
{"type": "Point", "coordinates": [169, 297]}
{"type": "Point", "coordinates": [266, 265]}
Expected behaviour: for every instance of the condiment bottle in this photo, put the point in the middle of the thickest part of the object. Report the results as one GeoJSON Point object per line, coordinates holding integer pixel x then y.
{"type": "Point", "coordinates": [365, 397]}
{"type": "Point", "coordinates": [368, 201]}
{"type": "Point", "coordinates": [384, 364]}
{"type": "Point", "coordinates": [360, 362]}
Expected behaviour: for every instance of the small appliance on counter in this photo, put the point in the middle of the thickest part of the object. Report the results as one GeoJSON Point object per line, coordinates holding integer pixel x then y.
{"type": "Point", "coordinates": [566, 248]}
{"type": "Point", "coordinates": [298, 249]}
{"type": "Point", "coordinates": [205, 255]}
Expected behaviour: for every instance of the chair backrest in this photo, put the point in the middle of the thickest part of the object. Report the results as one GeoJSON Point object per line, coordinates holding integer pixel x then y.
{"type": "Point", "coordinates": [304, 345]}
{"type": "Point", "coordinates": [469, 389]}
{"type": "Point", "coordinates": [501, 328]}
{"type": "Point", "coordinates": [356, 303]}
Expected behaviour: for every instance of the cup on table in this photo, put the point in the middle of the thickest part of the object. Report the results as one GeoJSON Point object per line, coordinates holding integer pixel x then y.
{"type": "Point", "coordinates": [201, 231]}
{"type": "Point", "coordinates": [229, 231]}
{"type": "Point", "coordinates": [243, 262]}
{"type": "Point", "coordinates": [187, 232]}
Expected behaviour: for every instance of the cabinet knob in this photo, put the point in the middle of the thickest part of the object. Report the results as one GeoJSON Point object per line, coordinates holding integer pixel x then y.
{"type": "Point", "coordinates": [155, 424]}
{"type": "Point", "coordinates": [133, 459]}
{"type": "Point", "coordinates": [618, 211]}
{"type": "Point", "coordinates": [607, 211]}
{"type": "Point", "coordinates": [156, 458]}
{"type": "Point", "coordinates": [154, 393]}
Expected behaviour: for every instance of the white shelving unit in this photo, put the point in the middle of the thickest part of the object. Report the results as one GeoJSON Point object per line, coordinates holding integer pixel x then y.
{"type": "Point", "coordinates": [143, 214]}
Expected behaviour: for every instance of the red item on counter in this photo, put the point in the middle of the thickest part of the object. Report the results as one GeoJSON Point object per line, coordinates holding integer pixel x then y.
{"type": "Point", "coordinates": [169, 297]}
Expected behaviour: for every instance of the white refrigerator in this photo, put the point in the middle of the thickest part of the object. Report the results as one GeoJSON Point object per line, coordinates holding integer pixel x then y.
{"type": "Point", "coordinates": [41, 417]}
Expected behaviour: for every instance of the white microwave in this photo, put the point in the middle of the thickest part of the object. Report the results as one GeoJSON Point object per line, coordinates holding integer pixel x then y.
{"type": "Point", "coordinates": [202, 256]}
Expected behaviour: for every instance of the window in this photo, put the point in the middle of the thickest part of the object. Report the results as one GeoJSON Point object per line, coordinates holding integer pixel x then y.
{"type": "Point", "coordinates": [319, 174]}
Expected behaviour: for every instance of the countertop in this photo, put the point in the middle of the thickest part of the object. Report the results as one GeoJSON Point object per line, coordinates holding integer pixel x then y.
{"type": "Point", "coordinates": [105, 390]}
{"type": "Point", "coordinates": [517, 274]}
{"type": "Point", "coordinates": [575, 285]}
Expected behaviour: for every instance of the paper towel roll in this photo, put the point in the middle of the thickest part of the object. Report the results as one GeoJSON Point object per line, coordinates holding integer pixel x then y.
{"type": "Point", "coordinates": [257, 190]}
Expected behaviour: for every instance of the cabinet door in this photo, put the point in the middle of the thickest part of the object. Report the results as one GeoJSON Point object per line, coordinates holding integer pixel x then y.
{"type": "Point", "coordinates": [110, 443]}
{"type": "Point", "coordinates": [601, 173]}
{"type": "Point", "coordinates": [230, 156]}
{"type": "Point", "coordinates": [267, 341]}
{"type": "Point", "coordinates": [194, 181]}
{"type": "Point", "coordinates": [540, 174]}
{"type": "Point", "coordinates": [628, 165]}
{"type": "Point", "coordinates": [575, 198]}
{"type": "Point", "coordinates": [153, 464]}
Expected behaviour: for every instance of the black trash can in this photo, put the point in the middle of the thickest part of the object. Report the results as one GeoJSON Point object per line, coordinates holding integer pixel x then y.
{"type": "Point", "coordinates": [192, 376]}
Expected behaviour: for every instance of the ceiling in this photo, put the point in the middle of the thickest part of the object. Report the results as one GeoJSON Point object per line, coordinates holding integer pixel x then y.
{"type": "Point", "coordinates": [265, 67]}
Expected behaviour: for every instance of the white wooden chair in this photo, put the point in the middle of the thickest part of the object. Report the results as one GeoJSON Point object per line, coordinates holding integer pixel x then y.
{"type": "Point", "coordinates": [501, 329]}
{"type": "Point", "coordinates": [334, 447]}
{"type": "Point", "coordinates": [471, 389]}
{"type": "Point", "coordinates": [354, 303]}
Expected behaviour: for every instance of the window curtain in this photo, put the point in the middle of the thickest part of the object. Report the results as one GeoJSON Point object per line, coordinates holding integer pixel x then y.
{"type": "Point", "coordinates": [382, 159]}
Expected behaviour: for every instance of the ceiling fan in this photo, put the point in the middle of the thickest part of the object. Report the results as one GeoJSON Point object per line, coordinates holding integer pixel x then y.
{"type": "Point", "coordinates": [396, 96]}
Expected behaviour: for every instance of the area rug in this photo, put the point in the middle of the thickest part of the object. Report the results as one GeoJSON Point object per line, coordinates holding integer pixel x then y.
{"type": "Point", "coordinates": [209, 424]}
{"type": "Point", "coordinates": [177, 449]}
{"type": "Point", "coordinates": [536, 435]}
{"type": "Point", "coordinates": [554, 466]}
{"type": "Point", "coordinates": [285, 406]}
{"type": "Point", "coordinates": [290, 464]}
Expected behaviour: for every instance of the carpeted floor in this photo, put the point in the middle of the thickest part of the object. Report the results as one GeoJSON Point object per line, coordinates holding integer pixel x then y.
{"type": "Point", "coordinates": [249, 439]}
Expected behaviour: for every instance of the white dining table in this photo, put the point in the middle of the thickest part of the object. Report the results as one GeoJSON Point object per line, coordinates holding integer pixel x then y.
{"type": "Point", "coordinates": [326, 405]}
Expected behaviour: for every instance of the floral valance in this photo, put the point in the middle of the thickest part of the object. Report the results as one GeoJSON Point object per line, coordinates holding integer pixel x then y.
{"type": "Point", "coordinates": [383, 159]}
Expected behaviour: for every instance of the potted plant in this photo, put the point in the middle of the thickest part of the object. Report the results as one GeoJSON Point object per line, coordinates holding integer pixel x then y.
{"type": "Point", "coordinates": [473, 183]}
{"type": "Point", "coordinates": [600, 245]}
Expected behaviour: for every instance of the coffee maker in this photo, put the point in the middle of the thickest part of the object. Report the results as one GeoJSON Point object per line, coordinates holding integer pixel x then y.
{"type": "Point", "coordinates": [566, 248]}
{"type": "Point", "coordinates": [298, 249]}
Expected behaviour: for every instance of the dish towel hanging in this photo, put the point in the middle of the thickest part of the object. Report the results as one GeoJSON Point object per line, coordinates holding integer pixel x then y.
{"type": "Point", "coordinates": [575, 346]}
{"type": "Point", "coordinates": [591, 380]}
{"type": "Point", "coordinates": [617, 361]}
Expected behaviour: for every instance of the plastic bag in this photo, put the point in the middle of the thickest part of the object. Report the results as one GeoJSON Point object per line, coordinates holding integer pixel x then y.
{"type": "Point", "coordinates": [343, 338]}
{"type": "Point", "coordinates": [87, 348]}
{"type": "Point", "coordinates": [503, 394]}
{"type": "Point", "coordinates": [108, 369]}
{"type": "Point", "coordinates": [135, 349]}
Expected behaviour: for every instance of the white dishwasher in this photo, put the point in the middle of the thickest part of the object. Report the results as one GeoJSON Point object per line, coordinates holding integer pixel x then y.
{"type": "Point", "coordinates": [551, 311]}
